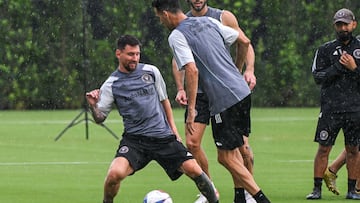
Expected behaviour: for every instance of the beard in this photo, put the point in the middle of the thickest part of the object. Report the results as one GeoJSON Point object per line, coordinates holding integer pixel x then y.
{"type": "Point", "coordinates": [198, 9]}
{"type": "Point", "coordinates": [130, 67]}
{"type": "Point", "coordinates": [344, 36]}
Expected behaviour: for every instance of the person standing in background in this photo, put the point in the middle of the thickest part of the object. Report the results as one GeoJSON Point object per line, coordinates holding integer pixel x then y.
{"type": "Point", "coordinates": [331, 171]}
{"type": "Point", "coordinates": [336, 69]}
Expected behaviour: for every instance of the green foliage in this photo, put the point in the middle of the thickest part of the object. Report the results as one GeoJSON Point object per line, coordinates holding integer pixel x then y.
{"type": "Point", "coordinates": [50, 52]}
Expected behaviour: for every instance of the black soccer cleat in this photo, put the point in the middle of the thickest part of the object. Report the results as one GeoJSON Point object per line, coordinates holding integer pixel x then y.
{"type": "Point", "coordinates": [353, 195]}
{"type": "Point", "coordinates": [316, 194]}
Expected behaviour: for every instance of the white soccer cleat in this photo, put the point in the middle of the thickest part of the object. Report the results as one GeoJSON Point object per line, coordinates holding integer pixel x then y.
{"type": "Point", "coordinates": [201, 199]}
{"type": "Point", "coordinates": [249, 198]}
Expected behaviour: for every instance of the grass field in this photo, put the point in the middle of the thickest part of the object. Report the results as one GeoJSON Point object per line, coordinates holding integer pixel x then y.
{"type": "Point", "coordinates": [36, 169]}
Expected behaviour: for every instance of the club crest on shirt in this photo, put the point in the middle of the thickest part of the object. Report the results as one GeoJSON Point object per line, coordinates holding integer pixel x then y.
{"type": "Point", "coordinates": [147, 78]}
{"type": "Point", "coordinates": [324, 135]}
{"type": "Point", "coordinates": [356, 53]}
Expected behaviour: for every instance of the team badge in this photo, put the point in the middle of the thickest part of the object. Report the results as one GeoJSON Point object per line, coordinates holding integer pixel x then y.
{"type": "Point", "coordinates": [324, 135]}
{"type": "Point", "coordinates": [147, 78]}
{"type": "Point", "coordinates": [123, 150]}
{"type": "Point", "coordinates": [356, 53]}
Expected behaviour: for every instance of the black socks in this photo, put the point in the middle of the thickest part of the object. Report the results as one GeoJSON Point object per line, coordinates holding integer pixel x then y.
{"type": "Point", "coordinates": [239, 195]}
{"type": "Point", "coordinates": [261, 198]}
{"type": "Point", "coordinates": [318, 183]}
{"type": "Point", "coordinates": [351, 185]}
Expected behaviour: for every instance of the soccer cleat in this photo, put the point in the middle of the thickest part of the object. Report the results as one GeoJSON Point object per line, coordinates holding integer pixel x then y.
{"type": "Point", "coordinates": [201, 199]}
{"type": "Point", "coordinates": [330, 181]}
{"type": "Point", "coordinates": [316, 194]}
{"type": "Point", "coordinates": [249, 198]}
{"type": "Point", "coordinates": [353, 195]}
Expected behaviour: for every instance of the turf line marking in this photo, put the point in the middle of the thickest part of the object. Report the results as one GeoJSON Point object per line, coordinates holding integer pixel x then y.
{"type": "Point", "coordinates": [296, 161]}
{"type": "Point", "coordinates": [42, 122]}
{"type": "Point", "coordinates": [50, 163]}
{"type": "Point", "coordinates": [285, 119]}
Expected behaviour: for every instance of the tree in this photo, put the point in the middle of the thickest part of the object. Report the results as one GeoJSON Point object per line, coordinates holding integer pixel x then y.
{"type": "Point", "coordinates": [43, 63]}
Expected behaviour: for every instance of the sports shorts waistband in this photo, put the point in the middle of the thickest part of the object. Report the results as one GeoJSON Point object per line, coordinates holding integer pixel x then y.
{"type": "Point", "coordinates": [149, 138]}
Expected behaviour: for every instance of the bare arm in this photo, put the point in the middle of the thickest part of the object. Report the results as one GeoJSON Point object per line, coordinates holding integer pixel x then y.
{"type": "Point", "coordinates": [170, 117]}
{"type": "Point", "coordinates": [179, 81]}
{"type": "Point", "coordinates": [230, 20]}
{"type": "Point", "coordinates": [242, 48]}
{"type": "Point", "coordinates": [92, 99]}
{"type": "Point", "coordinates": [191, 75]}
{"type": "Point", "coordinates": [249, 73]}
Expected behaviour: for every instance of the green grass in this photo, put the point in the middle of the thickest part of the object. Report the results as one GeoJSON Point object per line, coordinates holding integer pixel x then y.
{"type": "Point", "coordinates": [36, 169]}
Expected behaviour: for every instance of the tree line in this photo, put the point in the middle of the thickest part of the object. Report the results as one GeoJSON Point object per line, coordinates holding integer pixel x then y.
{"type": "Point", "coordinates": [53, 51]}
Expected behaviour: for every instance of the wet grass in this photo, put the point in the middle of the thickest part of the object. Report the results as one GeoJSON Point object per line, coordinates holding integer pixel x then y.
{"type": "Point", "coordinates": [36, 168]}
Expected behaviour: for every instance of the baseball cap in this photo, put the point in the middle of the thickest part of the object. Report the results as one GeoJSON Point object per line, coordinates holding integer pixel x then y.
{"type": "Point", "coordinates": [344, 15]}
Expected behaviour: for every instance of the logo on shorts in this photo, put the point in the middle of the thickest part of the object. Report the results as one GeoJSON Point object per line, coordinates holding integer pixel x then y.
{"type": "Point", "coordinates": [219, 144]}
{"type": "Point", "coordinates": [324, 135]}
{"type": "Point", "coordinates": [123, 150]}
{"type": "Point", "coordinates": [218, 118]}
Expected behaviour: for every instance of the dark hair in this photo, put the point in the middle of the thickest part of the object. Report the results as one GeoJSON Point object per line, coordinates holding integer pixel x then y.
{"type": "Point", "coordinates": [172, 6]}
{"type": "Point", "coordinates": [127, 40]}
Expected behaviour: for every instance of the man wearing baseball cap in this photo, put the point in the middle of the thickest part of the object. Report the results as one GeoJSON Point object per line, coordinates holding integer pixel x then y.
{"type": "Point", "coordinates": [344, 15]}
{"type": "Point", "coordinates": [336, 69]}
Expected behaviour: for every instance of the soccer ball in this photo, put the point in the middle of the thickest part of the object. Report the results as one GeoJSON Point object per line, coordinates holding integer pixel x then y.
{"type": "Point", "coordinates": [157, 196]}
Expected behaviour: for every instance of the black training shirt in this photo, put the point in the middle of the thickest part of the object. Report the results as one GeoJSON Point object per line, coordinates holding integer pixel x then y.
{"type": "Point", "coordinates": [340, 87]}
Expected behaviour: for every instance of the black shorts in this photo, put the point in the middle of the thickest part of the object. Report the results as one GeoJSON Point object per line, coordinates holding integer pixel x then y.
{"type": "Point", "coordinates": [202, 109]}
{"type": "Point", "coordinates": [329, 125]}
{"type": "Point", "coordinates": [140, 150]}
{"type": "Point", "coordinates": [229, 126]}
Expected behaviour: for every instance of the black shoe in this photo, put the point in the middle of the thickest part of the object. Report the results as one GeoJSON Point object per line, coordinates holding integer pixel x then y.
{"type": "Point", "coordinates": [353, 195]}
{"type": "Point", "coordinates": [316, 194]}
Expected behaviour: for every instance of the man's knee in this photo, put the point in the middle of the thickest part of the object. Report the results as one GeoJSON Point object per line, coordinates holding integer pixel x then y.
{"type": "Point", "coordinates": [191, 168]}
{"type": "Point", "coordinates": [324, 150]}
{"type": "Point", "coordinates": [114, 176]}
{"type": "Point", "coordinates": [193, 144]}
{"type": "Point", "coordinates": [229, 158]}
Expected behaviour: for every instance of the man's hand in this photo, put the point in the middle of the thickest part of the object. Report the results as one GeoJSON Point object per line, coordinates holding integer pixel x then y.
{"type": "Point", "coordinates": [348, 61]}
{"type": "Point", "coordinates": [181, 98]}
{"type": "Point", "coordinates": [250, 79]}
{"type": "Point", "coordinates": [93, 97]}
